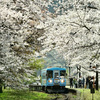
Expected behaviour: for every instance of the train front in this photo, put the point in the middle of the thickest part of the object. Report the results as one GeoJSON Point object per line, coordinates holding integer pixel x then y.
{"type": "Point", "coordinates": [56, 79]}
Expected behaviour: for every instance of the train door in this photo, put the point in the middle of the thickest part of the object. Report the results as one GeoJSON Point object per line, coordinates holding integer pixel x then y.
{"type": "Point", "coordinates": [56, 77]}
{"type": "Point", "coordinates": [56, 74]}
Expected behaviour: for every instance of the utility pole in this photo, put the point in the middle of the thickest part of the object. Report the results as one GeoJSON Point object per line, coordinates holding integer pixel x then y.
{"type": "Point", "coordinates": [78, 70]}
{"type": "Point", "coordinates": [90, 65]}
{"type": "Point", "coordinates": [69, 69]}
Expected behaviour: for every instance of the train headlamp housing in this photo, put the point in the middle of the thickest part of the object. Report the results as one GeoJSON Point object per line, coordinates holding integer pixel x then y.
{"type": "Point", "coordinates": [50, 81]}
{"type": "Point", "coordinates": [62, 80]}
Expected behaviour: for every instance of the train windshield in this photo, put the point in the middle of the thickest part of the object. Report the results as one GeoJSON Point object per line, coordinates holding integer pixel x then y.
{"type": "Point", "coordinates": [62, 73]}
{"type": "Point", "coordinates": [49, 74]}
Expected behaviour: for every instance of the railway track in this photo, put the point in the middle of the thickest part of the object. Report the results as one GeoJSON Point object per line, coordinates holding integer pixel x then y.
{"type": "Point", "coordinates": [69, 94]}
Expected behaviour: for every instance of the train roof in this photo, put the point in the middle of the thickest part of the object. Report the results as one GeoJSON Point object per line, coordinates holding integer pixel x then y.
{"type": "Point", "coordinates": [55, 68]}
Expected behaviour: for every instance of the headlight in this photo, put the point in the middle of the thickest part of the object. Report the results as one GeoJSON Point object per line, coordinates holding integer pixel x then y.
{"type": "Point", "coordinates": [62, 80]}
{"type": "Point", "coordinates": [50, 81]}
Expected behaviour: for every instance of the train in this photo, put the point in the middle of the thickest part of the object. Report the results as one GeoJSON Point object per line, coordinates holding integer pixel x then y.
{"type": "Point", "coordinates": [53, 79]}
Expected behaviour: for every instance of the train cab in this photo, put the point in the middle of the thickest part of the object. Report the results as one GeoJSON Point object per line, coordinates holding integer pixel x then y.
{"type": "Point", "coordinates": [53, 79]}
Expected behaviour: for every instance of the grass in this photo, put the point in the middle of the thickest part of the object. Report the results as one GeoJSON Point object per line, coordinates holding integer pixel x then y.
{"type": "Point", "coordinates": [86, 95]}
{"type": "Point", "coordinates": [9, 94]}
{"type": "Point", "coordinates": [23, 95]}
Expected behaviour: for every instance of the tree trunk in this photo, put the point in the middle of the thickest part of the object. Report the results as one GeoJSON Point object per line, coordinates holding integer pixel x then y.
{"type": "Point", "coordinates": [97, 80]}
{"type": "Point", "coordinates": [1, 89]}
{"type": "Point", "coordinates": [4, 86]}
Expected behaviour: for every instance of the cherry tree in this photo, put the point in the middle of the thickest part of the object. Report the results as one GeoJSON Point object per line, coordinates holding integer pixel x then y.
{"type": "Point", "coordinates": [18, 39]}
{"type": "Point", "coordinates": [75, 33]}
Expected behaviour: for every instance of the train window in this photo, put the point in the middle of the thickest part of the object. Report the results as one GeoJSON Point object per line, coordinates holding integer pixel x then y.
{"type": "Point", "coordinates": [62, 74]}
{"type": "Point", "coordinates": [43, 75]}
{"type": "Point", "coordinates": [49, 74]}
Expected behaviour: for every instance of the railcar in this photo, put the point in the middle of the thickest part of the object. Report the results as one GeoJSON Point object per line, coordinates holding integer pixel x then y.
{"type": "Point", "coordinates": [53, 79]}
